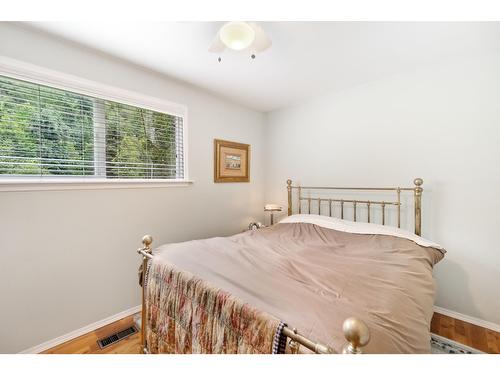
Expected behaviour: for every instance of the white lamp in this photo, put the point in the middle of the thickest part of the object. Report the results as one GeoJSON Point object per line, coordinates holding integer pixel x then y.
{"type": "Point", "coordinates": [272, 208]}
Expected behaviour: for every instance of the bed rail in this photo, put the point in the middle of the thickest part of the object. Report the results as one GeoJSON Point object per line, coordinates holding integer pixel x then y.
{"type": "Point", "coordinates": [355, 330]}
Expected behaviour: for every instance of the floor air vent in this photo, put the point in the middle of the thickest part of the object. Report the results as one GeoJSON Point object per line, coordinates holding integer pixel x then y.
{"type": "Point", "coordinates": [115, 337]}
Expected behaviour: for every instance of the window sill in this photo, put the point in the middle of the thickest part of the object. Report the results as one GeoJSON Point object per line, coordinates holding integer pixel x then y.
{"type": "Point", "coordinates": [31, 184]}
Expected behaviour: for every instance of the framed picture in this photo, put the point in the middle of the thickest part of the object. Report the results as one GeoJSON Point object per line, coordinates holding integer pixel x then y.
{"type": "Point", "coordinates": [231, 161]}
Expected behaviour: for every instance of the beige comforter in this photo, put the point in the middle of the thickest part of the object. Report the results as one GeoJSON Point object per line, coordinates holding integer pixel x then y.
{"type": "Point", "coordinates": [314, 278]}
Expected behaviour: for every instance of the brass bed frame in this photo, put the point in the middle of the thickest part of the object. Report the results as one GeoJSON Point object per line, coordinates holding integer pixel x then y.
{"type": "Point", "coordinates": [355, 330]}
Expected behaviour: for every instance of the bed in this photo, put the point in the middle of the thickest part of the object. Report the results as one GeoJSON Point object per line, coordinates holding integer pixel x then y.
{"type": "Point", "coordinates": [312, 282]}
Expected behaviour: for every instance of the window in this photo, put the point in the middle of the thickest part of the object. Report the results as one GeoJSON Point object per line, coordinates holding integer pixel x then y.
{"type": "Point", "coordinates": [48, 133]}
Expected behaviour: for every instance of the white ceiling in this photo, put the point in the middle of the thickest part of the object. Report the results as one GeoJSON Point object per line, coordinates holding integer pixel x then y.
{"type": "Point", "coordinates": [305, 60]}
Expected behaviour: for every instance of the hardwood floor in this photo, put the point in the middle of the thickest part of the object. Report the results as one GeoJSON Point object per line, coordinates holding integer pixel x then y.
{"type": "Point", "coordinates": [468, 334]}
{"type": "Point", "coordinates": [87, 344]}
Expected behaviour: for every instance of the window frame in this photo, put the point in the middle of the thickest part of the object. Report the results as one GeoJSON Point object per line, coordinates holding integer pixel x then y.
{"type": "Point", "coordinates": [31, 73]}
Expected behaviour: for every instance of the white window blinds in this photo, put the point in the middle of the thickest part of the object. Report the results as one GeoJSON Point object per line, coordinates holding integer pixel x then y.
{"type": "Point", "coordinates": [47, 132]}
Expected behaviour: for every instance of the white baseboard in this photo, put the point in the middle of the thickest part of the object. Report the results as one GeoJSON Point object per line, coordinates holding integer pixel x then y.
{"type": "Point", "coordinates": [81, 331]}
{"type": "Point", "coordinates": [468, 319]}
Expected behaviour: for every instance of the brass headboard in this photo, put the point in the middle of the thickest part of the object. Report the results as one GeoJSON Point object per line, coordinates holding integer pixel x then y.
{"type": "Point", "coordinates": [417, 201]}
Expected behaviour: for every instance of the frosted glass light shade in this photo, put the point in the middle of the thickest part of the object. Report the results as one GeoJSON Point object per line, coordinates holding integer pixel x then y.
{"type": "Point", "coordinates": [237, 35]}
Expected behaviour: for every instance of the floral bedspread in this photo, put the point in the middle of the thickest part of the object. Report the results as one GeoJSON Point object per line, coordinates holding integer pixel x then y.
{"type": "Point", "coordinates": [187, 315]}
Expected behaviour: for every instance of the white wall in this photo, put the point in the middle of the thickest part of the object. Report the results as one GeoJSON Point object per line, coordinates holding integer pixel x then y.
{"type": "Point", "coordinates": [441, 123]}
{"type": "Point", "coordinates": [67, 258]}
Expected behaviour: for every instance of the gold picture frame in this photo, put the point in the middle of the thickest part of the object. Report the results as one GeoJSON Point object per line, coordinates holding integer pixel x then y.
{"type": "Point", "coordinates": [231, 161]}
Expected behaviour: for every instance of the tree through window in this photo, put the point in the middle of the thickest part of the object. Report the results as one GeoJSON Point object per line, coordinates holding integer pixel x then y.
{"type": "Point", "coordinates": [47, 132]}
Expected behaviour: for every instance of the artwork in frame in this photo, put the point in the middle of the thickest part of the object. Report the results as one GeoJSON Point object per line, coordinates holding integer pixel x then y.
{"type": "Point", "coordinates": [231, 161]}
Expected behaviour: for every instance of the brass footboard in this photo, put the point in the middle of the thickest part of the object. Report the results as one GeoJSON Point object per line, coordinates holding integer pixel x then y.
{"type": "Point", "coordinates": [355, 330]}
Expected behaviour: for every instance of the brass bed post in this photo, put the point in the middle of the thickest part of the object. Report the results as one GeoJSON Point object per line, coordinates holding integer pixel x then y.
{"type": "Point", "coordinates": [145, 251]}
{"type": "Point", "coordinates": [289, 190]}
{"type": "Point", "coordinates": [418, 205]}
{"type": "Point", "coordinates": [368, 209]}
{"type": "Point", "coordinates": [399, 206]}
{"type": "Point", "coordinates": [356, 333]}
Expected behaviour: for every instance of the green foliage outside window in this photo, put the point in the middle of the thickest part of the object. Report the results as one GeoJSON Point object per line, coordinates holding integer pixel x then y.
{"type": "Point", "coordinates": [46, 131]}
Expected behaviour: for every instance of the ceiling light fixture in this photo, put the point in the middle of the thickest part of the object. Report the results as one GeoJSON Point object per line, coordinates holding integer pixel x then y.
{"type": "Point", "coordinates": [240, 36]}
{"type": "Point", "coordinates": [237, 35]}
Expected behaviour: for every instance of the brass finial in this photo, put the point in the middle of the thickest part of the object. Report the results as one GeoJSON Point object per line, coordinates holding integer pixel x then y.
{"type": "Point", "coordinates": [357, 335]}
{"type": "Point", "coordinates": [288, 182]}
{"type": "Point", "coordinates": [147, 240]}
{"type": "Point", "coordinates": [418, 181]}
